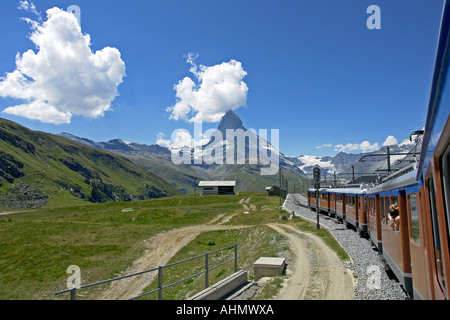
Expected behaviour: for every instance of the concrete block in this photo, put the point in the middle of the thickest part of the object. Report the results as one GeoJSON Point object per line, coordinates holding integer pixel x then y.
{"type": "Point", "coordinates": [268, 267]}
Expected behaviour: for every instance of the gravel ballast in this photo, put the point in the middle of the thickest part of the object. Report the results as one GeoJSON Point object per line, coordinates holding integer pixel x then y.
{"type": "Point", "coordinates": [375, 281]}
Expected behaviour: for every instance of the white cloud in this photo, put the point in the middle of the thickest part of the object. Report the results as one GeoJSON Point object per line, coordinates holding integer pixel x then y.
{"type": "Point", "coordinates": [220, 88]}
{"type": "Point", "coordinates": [29, 7]}
{"type": "Point", "coordinates": [325, 145]}
{"type": "Point", "coordinates": [180, 138]}
{"type": "Point", "coordinates": [390, 140]}
{"type": "Point", "coordinates": [64, 78]}
{"type": "Point", "coordinates": [364, 146]}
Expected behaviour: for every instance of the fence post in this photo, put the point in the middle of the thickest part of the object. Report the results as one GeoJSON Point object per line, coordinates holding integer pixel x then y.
{"type": "Point", "coordinates": [160, 297]}
{"type": "Point", "coordinates": [235, 258]}
{"type": "Point", "coordinates": [206, 270]}
{"type": "Point", "coordinates": [73, 294]}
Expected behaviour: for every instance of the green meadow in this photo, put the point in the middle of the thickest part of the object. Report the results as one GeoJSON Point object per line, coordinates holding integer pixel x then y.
{"type": "Point", "coordinates": [37, 246]}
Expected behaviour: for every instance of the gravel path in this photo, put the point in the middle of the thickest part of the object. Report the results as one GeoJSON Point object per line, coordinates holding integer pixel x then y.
{"type": "Point", "coordinates": [374, 282]}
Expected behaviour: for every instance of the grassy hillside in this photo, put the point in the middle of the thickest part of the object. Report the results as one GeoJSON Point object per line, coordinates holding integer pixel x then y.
{"type": "Point", "coordinates": [38, 168]}
{"type": "Point", "coordinates": [37, 247]}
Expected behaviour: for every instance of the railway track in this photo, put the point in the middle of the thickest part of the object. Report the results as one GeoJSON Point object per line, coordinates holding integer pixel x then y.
{"type": "Point", "coordinates": [298, 203]}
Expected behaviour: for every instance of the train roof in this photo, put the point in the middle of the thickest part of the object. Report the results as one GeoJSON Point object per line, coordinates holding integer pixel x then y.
{"type": "Point", "coordinates": [348, 190]}
{"type": "Point", "coordinates": [437, 113]}
{"type": "Point", "coordinates": [403, 181]}
{"type": "Point", "coordinates": [340, 190]}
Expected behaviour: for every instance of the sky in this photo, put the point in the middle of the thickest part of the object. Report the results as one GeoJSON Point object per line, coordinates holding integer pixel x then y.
{"type": "Point", "coordinates": [330, 75]}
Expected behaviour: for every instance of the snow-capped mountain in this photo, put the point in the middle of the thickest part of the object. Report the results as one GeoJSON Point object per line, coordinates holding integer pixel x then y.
{"type": "Point", "coordinates": [248, 173]}
{"type": "Point", "coordinates": [295, 169]}
{"type": "Point", "coordinates": [370, 163]}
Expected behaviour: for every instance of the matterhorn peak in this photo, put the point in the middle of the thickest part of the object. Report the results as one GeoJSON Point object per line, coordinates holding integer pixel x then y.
{"type": "Point", "coordinates": [230, 121]}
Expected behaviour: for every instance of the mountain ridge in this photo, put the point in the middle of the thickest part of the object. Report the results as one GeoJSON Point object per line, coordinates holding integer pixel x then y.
{"type": "Point", "coordinates": [158, 159]}
{"type": "Point", "coordinates": [37, 168]}
{"type": "Point", "coordinates": [294, 169]}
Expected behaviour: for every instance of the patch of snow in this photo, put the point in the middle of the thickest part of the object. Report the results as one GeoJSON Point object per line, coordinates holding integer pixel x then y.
{"type": "Point", "coordinates": [310, 161]}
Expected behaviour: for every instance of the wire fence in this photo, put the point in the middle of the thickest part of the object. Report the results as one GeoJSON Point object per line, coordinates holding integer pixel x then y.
{"type": "Point", "coordinates": [73, 291]}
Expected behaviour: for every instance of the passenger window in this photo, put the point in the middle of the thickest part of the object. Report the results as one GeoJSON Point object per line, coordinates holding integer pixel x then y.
{"type": "Point", "coordinates": [445, 165]}
{"type": "Point", "coordinates": [436, 236]}
{"type": "Point", "coordinates": [414, 214]}
{"type": "Point", "coordinates": [394, 199]}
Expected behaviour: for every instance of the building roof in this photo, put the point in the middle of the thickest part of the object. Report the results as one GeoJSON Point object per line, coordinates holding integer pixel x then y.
{"type": "Point", "coordinates": [217, 184]}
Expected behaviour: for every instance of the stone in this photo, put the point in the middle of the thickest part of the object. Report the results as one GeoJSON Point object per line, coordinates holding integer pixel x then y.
{"type": "Point", "coordinates": [268, 267]}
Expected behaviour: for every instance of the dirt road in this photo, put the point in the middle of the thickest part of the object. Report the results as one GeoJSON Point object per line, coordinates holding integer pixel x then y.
{"type": "Point", "coordinates": [319, 274]}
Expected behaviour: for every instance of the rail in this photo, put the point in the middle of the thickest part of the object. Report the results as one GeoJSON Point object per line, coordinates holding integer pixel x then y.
{"type": "Point", "coordinates": [73, 291]}
{"type": "Point", "coordinates": [297, 202]}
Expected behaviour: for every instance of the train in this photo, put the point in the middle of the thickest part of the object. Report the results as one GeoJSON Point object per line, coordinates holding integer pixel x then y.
{"type": "Point", "coordinates": [416, 248]}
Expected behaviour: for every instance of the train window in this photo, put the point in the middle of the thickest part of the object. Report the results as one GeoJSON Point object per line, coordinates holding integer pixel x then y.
{"type": "Point", "coordinates": [436, 236]}
{"type": "Point", "coordinates": [414, 214]}
{"type": "Point", "coordinates": [383, 215]}
{"type": "Point", "coordinates": [350, 201]}
{"type": "Point", "coordinates": [437, 240]}
{"type": "Point", "coordinates": [394, 199]}
{"type": "Point", "coordinates": [374, 207]}
{"type": "Point", "coordinates": [445, 165]}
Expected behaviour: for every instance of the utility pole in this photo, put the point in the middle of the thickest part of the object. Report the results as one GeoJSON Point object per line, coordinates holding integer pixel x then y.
{"type": "Point", "coordinates": [353, 173]}
{"type": "Point", "coordinates": [316, 174]}
{"type": "Point", "coordinates": [281, 185]}
{"type": "Point", "coordinates": [388, 159]}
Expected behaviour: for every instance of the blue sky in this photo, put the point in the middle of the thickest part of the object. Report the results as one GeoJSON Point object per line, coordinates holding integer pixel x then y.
{"type": "Point", "coordinates": [311, 69]}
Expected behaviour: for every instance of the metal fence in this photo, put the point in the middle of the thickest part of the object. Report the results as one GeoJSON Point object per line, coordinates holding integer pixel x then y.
{"type": "Point", "coordinates": [73, 291]}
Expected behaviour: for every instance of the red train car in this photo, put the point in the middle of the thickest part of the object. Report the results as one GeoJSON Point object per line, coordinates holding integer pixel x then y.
{"type": "Point", "coordinates": [348, 204]}
{"type": "Point", "coordinates": [394, 238]}
{"type": "Point", "coordinates": [434, 171]}
{"type": "Point", "coordinates": [324, 200]}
